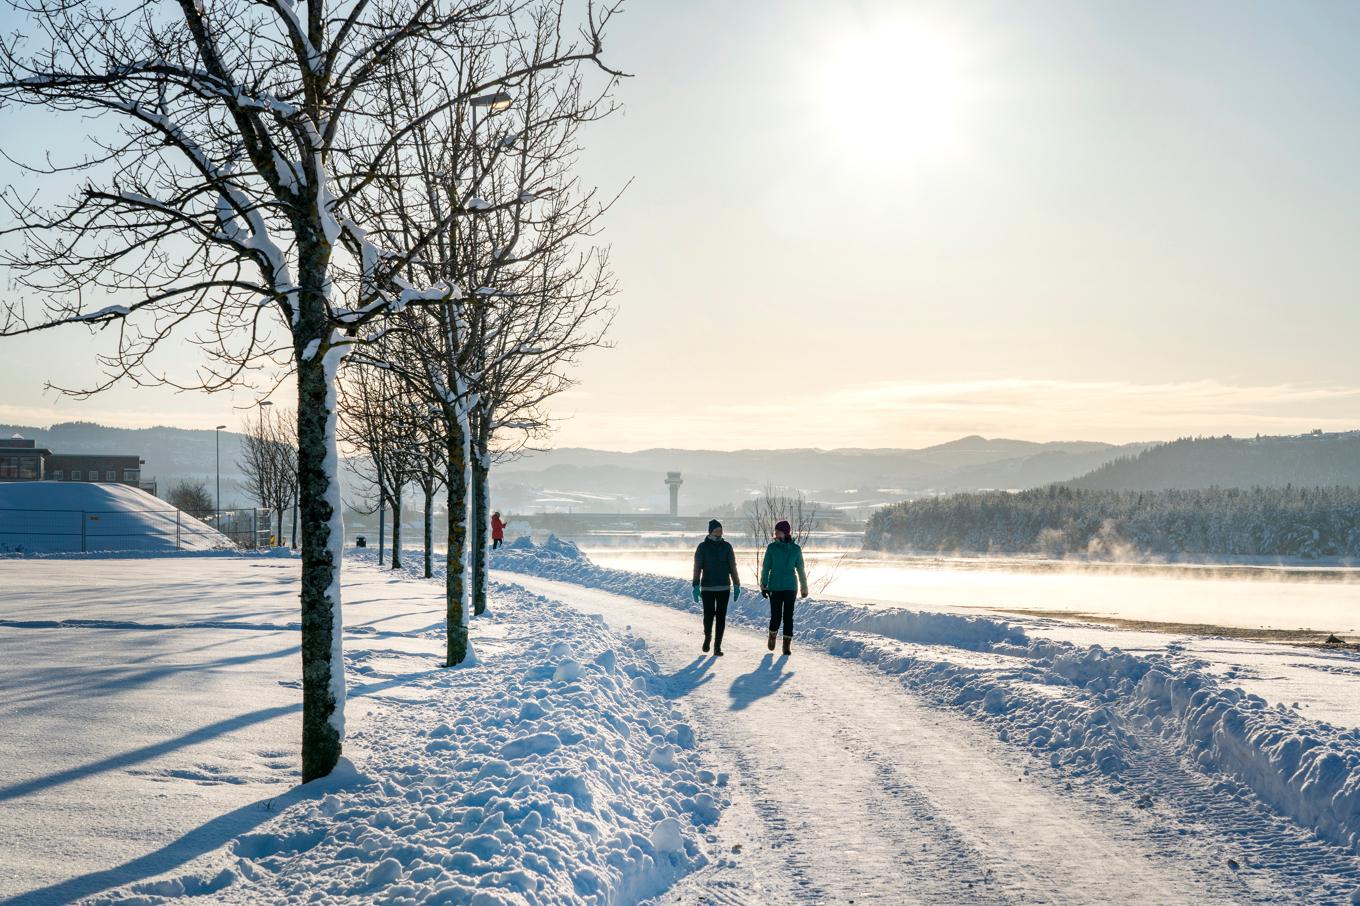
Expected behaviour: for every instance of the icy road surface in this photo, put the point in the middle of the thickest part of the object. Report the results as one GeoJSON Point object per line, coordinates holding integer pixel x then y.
{"type": "Point", "coordinates": [848, 789]}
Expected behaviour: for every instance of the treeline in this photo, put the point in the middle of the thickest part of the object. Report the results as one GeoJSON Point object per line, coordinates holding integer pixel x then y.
{"type": "Point", "coordinates": [1321, 460]}
{"type": "Point", "coordinates": [1305, 522]}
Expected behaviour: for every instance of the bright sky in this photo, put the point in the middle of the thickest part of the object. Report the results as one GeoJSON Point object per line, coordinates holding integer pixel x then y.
{"type": "Point", "coordinates": [894, 223]}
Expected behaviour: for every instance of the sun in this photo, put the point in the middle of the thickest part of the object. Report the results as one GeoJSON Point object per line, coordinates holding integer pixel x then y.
{"type": "Point", "coordinates": [894, 92]}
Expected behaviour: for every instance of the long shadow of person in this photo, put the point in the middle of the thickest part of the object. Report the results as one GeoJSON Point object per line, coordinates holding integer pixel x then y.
{"type": "Point", "coordinates": [688, 678]}
{"type": "Point", "coordinates": [765, 680]}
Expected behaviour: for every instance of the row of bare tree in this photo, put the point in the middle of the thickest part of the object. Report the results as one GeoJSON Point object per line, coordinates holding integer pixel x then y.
{"type": "Point", "coordinates": [269, 461]}
{"type": "Point", "coordinates": [297, 186]}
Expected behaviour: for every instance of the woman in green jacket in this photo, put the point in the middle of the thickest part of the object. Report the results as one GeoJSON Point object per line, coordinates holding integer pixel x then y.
{"type": "Point", "coordinates": [781, 576]}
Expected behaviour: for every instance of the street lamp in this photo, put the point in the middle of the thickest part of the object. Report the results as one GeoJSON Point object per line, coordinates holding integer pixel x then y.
{"type": "Point", "coordinates": [263, 404]}
{"type": "Point", "coordinates": [495, 102]}
{"type": "Point", "coordinates": [217, 443]}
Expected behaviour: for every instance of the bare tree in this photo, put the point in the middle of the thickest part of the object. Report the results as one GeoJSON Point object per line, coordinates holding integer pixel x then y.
{"type": "Point", "coordinates": [364, 403]}
{"type": "Point", "coordinates": [236, 136]}
{"type": "Point", "coordinates": [769, 507]}
{"type": "Point", "coordinates": [269, 462]}
{"type": "Point", "coordinates": [192, 497]}
{"type": "Point", "coordinates": [486, 362]}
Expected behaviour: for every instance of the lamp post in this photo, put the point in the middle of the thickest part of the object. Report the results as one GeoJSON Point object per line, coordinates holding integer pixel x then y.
{"type": "Point", "coordinates": [217, 444]}
{"type": "Point", "coordinates": [263, 405]}
{"type": "Point", "coordinates": [495, 102]}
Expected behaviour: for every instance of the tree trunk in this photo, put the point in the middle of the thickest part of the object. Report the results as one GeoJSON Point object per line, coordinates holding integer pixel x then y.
{"type": "Point", "coordinates": [278, 534]}
{"type": "Point", "coordinates": [294, 538]}
{"type": "Point", "coordinates": [323, 674]}
{"type": "Point", "coordinates": [481, 518]}
{"type": "Point", "coordinates": [429, 530]}
{"type": "Point", "coordinates": [396, 528]}
{"type": "Point", "coordinates": [455, 586]}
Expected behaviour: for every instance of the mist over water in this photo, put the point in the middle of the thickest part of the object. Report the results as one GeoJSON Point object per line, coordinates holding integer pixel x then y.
{"type": "Point", "coordinates": [1244, 597]}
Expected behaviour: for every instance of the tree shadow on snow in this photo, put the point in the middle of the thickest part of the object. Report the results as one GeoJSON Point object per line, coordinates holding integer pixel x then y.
{"type": "Point", "coordinates": [207, 732]}
{"type": "Point", "coordinates": [203, 839]}
{"type": "Point", "coordinates": [688, 678]}
{"type": "Point", "coordinates": [765, 680]}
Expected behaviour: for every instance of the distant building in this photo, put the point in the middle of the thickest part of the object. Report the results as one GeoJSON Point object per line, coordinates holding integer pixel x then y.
{"type": "Point", "coordinates": [673, 481]}
{"type": "Point", "coordinates": [22, 459]}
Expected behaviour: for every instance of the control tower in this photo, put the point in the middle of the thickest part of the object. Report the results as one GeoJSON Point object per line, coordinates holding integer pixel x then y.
{"type": "Point", "coordinates": [673, 481]}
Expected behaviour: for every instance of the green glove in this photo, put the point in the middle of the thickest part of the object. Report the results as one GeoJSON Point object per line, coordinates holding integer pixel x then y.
{"type": "Point", "coordinates": [696, 594]}
{"type": "Point", "coordinates": [736, 593]}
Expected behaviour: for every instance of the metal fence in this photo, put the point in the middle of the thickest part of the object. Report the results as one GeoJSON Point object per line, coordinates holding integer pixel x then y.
{"type": "Point", "coordinates": [58, 531]}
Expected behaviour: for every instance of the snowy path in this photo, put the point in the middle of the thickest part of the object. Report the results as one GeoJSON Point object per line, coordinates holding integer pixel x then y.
{"type": "Point", "coordinates": [849, 789]}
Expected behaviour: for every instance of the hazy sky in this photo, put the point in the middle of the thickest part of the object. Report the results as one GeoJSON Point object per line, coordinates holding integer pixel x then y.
{"type": "Point", "coordinates": [893, 223]}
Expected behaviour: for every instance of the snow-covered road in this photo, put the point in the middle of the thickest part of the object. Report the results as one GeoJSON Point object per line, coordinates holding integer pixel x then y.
{"type": "Point", "coordinates": [848, 788]}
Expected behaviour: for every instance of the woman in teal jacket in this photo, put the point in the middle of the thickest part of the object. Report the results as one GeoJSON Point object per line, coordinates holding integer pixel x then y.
{"type": "Point", "coordinates": [781, 576]}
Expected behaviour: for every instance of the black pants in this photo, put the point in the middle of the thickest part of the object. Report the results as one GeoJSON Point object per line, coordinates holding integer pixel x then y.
{"type": "Point", "coordinates": [495, 543]}
{"type": "Point", "coordinates": [781, 608]}
{"type": "Point", "coordinates": [715, 610]}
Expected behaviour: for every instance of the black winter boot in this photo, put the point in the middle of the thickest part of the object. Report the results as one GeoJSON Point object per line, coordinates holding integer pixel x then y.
{"type": "Point", "coordinates": [769, 643]}
{"type": "Point", "coordinates": [788, 644]}
{"type": "Point", "coordinates": [708, 643]}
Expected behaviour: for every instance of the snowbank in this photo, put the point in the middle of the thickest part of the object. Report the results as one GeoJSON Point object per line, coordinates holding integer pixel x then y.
{"type": "Point", "coordinates": [1088, 709]}
{"type": "Point", "coordinates": [545, 774]}
{"type": "Point", "coordinates": [73, 516]}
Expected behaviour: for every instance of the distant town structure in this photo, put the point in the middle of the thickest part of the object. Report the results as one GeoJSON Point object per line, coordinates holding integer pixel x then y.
{"type": "Point", "coordinates": [673, 481]}
{"type": "Point", "coordinates": [21, 459]}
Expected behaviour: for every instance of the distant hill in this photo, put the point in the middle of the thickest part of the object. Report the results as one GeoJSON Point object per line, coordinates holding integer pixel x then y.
{"type": "Point", "coordinates": [1309, 460]}
{"type": "Point", "coordinates": [585, 480]}
{"type": "Point", "coordinates": [859, 479]}
{"type": "Point", "coordinates": [171, 454]}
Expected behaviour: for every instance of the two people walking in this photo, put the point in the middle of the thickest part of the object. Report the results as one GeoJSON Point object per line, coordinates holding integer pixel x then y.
{"type": "Point", "coordinates": [716, 582]}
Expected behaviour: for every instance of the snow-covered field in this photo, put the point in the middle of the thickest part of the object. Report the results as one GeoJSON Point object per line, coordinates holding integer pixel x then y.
{"type": "Point", "coordinates": [149, 740]}
{"type": "Point", "coordinates": [593, 755]}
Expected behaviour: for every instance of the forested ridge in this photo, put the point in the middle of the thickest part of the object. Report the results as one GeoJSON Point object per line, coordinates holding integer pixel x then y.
{"type": "Point", "coordinates": [1061, 520]}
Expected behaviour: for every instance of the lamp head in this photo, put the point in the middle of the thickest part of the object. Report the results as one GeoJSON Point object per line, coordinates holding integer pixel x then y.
{"type": "Point", "coordinates": [495, 102]}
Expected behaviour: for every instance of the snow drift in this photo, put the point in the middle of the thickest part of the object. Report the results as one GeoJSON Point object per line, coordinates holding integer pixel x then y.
{"type": "Point", "coordinates": [38, 517]}
{"type": "Point", "coordinates": [1090, 710]}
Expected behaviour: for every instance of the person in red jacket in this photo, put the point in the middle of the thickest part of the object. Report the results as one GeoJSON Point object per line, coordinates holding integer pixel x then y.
{"type": "Point", "coordinates": [497, 530]}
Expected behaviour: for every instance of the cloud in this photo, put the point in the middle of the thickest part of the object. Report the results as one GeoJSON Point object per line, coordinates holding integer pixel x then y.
{"type": "Point", "coordinates": [908, 414]}
{"type": "Point", "coordinates": [889, 414]}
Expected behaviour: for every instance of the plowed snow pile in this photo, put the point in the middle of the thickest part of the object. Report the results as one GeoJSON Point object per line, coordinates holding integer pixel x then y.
{"type": "Point", "coordinates": [41, 517]}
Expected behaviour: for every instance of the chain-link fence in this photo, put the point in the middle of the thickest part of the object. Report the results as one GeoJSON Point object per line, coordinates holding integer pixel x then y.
{"type": "Point", "coordinates": [59, 531]}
